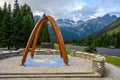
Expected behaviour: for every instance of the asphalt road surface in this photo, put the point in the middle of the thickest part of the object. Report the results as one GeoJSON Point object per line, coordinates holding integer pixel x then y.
{"type": "Point", "coordinates": [108, 51]}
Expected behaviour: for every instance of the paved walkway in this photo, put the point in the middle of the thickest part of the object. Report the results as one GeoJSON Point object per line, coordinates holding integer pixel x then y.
{"type": "Point", "coordinates": [113, 72]}
{"type": "Point", "coordinates": [9, 65]}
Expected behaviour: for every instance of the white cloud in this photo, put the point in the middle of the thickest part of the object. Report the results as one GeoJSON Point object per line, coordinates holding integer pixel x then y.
{"type": "Point", "coordinates": [85, 12]}
{"type": "Point", "coordinates": [72, 9]}
{"type": "Point", "coordinates": [3, 1]}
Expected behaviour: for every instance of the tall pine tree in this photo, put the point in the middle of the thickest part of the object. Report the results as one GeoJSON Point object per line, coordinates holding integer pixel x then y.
{"type": "Point", "coordinates": [45, 33]}
{"type": "Point", "coordinates": [1, 17]}
{"type": "Point", "coordinates": [5, 26]}
{"type": "Point", "coordinates": [17, 26]}
{"type": "Point", "coordinates": [90, 43]}
{"type": "Point", "coordinates": [28, 22]}
{"type": "Point", "coordinates": [9, 38]}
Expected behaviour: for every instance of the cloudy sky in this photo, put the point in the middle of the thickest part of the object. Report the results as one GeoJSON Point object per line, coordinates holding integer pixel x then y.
{"type": "Point", "coordinates": [71, 9]}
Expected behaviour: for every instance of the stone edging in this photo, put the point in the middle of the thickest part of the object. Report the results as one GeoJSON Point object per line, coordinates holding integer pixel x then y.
{"type": "Point", "coordinates": [6, 54]}
{"type": "Point", "coordinates": [98, 61]}
{"type": "Point", "coordinates": [47, 52]}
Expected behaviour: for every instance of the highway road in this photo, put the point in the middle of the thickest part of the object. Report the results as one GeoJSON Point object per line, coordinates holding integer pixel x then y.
{"type": "Point", "coordinates": [108, 51]}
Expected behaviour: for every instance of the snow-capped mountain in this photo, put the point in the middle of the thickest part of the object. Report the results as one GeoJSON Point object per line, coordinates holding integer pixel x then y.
{"type": "Point", "coordinates": [65, 23]}
{"type": "Point", "coordinates": [80, 29]}
{"type": "Point", "coordinates": [94, 25]}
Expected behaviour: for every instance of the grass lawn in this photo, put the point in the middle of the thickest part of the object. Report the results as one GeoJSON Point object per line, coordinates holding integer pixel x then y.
{"type": "Point", "coordinates": [112, 59]}
{"type": "Point", "coordinates": [109, 59]}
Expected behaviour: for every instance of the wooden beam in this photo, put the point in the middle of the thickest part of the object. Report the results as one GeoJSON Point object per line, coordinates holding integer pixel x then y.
{"type": "Point", "coordinates": [35, 34]}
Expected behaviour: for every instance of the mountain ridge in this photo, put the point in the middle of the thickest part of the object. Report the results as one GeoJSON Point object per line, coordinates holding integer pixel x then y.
{"type": "Point", "coordinates": [80, 29]}
{"type": "Point", "coordinates": [114, 25]}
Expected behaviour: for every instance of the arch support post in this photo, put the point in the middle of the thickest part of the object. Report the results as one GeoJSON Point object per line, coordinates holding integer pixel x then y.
{"type": "Point", "coordinates": [34, 38]}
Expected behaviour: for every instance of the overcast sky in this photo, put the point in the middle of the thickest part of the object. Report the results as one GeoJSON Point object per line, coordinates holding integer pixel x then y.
{"type": "Point", "coordinates": [71, 9]}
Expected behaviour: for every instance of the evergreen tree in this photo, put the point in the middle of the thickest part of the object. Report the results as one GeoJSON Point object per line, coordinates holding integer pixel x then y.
{"type": "Point", "coordinates": [17, 26]}
{"type": "Point", "coordinates": [28, 22]}
{"type": "Point", "coordinates": [9, 26]}
{"type": "Point", "coordinates": [45, 33]}
{"type": "Point", "coordinates": [90, 43]}
{"type": "Point", "coordinates": [4, 26]}
{"type": "Point", "coordinates": [118, 40]}
{"type": "Point", "coordinates": [1, 18]}
{"type": "Point", "coordinates": [52, 34]}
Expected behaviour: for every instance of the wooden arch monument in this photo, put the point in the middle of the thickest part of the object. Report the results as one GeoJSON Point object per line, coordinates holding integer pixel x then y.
{"type": "Point", "coordinates": [34, 38]}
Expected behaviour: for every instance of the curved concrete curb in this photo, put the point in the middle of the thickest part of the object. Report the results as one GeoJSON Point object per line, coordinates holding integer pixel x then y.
{"type": "Point", "coordinates": [98, 65]}
{"type": "Point", "coordinates": [98, 61]}
{"type": "Point", "coordinates": [7, 54]}
{"type": "Point", "coordinates": [47, 75]}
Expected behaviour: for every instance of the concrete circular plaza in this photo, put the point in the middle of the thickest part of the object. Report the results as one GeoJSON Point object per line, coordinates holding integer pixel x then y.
{"type": "Point", "coordinates": [13, 65]}
{"type": "Point", "coordinates": [76, 64]}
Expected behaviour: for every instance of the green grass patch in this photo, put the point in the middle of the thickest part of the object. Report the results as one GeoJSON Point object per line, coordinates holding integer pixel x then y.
{"type": "Point", "coordinates": [68, 51]}
{"type": "Point", "coordinates": [38, 46]}
{"type": "Point", "coordinates": [109, 59]}
{"type": "Point", "coordinates": [56, 46]}
{"type": "Point", "coordinates": [112, 59]}
{"type": "Point", "coordinates": [81, 50]}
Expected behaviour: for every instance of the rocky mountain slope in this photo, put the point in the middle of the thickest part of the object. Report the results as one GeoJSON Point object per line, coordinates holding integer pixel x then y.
{"type": "Point", "coordinates": [80, 29]}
